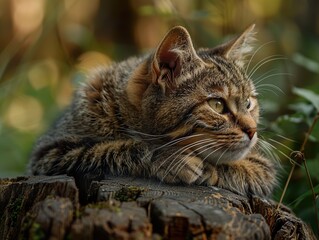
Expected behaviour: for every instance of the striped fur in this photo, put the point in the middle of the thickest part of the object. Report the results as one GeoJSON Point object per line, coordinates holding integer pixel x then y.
{"type": "Point", "coordinates": [179, 115]}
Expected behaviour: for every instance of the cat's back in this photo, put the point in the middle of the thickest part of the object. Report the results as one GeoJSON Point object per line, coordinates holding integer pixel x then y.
{"type": "Point", "coordinates": [96, 106]}
{"type": "Point", "coordinates": [112, 78]}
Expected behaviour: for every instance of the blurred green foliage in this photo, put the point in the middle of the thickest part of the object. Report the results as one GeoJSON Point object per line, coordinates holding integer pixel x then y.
{"type": "Point", "coordinates": [48, 46]}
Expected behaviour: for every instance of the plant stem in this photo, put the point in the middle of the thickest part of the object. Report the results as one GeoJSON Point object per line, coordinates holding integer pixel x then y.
{"type": "Point", "coordinates": [300, 156]}
{"type": "Point", "coordinates": [306, 168]}
{"type": "Point", "coordinates": [286, 185]}
{"type": "Point", "coordinates": [302, 149]}
{"type": "Point", "coordinates": [314, 197]}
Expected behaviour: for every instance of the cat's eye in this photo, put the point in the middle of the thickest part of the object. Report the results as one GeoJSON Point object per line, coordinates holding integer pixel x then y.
{"type": "Point", "coordinates": [217, 104]}
{"type": "Point", "coordinates": [248, 104]}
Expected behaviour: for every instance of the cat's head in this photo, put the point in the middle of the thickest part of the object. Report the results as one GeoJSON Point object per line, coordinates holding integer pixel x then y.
{"type": "Point", "coordinates": [203, 98]}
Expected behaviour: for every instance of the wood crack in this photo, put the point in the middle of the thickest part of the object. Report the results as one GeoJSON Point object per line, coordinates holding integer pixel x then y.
{"type": "Point", "coordinates": [205, 232]}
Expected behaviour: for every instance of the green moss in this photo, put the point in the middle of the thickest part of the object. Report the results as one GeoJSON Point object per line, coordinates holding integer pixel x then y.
{"type": "Point", "coordinates": [128, 194]}
{"type": "Point", "coordinates": [31, 229]}
{"type": "Point", "coordinates": [36, 232]}
{"type": "Point", "coordinates": [5, 181]}
{"type": "Point", "coordinates": [77, 213]}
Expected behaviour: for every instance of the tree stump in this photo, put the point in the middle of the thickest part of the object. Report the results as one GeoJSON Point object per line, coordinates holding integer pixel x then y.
{"type": "Point", "coordinates": [44, 207]}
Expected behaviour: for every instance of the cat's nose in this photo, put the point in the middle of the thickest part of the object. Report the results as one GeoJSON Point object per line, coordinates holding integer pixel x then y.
{"type": "Point", "coordinates": [250, 132]}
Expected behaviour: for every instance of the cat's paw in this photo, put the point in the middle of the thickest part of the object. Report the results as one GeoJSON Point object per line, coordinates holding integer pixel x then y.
{"type": "Point", "coordinates": [209, 176]}
{"type": "Point", "coordinates": [252, 176]}
{"type": "Point", "coordinates": [185, 169]}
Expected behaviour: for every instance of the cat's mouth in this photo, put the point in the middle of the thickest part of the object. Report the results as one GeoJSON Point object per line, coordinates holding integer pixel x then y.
{"type": "Point", "coordinates": [223, 150]}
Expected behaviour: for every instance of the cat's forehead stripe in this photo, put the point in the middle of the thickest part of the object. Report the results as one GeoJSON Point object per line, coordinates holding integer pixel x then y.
{"type": "Point", "coordinates": [232, 72]}
{"type": "Point", "coordinates": [225, 82]}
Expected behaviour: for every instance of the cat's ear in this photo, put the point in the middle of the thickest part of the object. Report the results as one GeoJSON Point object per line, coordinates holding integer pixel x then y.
{"type": "Point", "coordinates": [167, 64]}
{"type": "Point", "coordinates": [175, 49]}
{"type": "Point", "coordinates": [239, 48]}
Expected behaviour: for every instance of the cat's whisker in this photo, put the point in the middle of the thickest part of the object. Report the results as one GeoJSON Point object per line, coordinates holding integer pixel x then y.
{"type": "Point", "coordinates": [217, 146]}
{"type": "Point", "coordinates": [269, 76]}
{"type": "Point", "coordinates": [281, 144]}
{"type": "Point", "coordinates": [262, 127]}
{"type": "Point", "coordinates": [178, 140]}
{"type": "Point", "coordinates": [270, 87]}
{"type": "Point", "coordinates": [188, 148]}
{"type": "Point", "coordinates": [133, 132]}
{"type": "Point", "coordinates": [268, 150]}
{"type": "Point", "coordinates": [285, 138]}
{"type": "Point", "coordinates": [221, 155]}
{"type": "Point", "coordinates": [263, 62]}
{"type": "Point", "coordinates": [281, 152]}
{"type": "Point", "coordinates": [212, 152]}
{"type": "Point", "coordinates": [147, 138]}
{"type": "Point", "coordinates": [273, 147]}
{"type": "Point", "coordinates": [252, 57]}
{"type": "Point", "coordinates": [149, 135]}
{"type": "Point", "coordinates": [206, 147]}
{"type": "Point", "coordinates": [181, 151]}
{"type": "Point", "coordinates": [289, 158]}
{"type": "Point", "coordinates": [269, 72]}
{"type": "Point", "coordinates": [180, 165]}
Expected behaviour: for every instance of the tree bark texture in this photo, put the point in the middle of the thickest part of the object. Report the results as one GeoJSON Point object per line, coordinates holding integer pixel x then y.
{"type": "Point", "coordinates": [129, 208]}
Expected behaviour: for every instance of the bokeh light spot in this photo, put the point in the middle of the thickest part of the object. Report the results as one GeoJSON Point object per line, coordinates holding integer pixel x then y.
{"type": "Point", "coordinates": [25, 114]}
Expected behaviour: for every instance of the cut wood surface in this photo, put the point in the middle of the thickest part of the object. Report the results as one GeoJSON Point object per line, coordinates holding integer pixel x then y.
{"type": "Point", "coordinates": [129, 208]}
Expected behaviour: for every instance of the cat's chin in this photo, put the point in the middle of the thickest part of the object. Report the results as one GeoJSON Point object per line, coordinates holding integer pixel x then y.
{"type": "Point", "coordinates": [228, 155]}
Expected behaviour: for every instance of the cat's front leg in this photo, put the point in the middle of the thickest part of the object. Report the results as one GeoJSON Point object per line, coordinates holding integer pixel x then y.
{"type": "Point", "coordinates": [175, 165]}
{"type": "Point", "coordinates": [253, 175]}
{"type": "Point", "coordinates": [86, 157]}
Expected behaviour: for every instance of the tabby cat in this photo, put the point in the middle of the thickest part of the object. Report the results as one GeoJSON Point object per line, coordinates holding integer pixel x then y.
{"type": "Point", "coordinates": [178, 115]}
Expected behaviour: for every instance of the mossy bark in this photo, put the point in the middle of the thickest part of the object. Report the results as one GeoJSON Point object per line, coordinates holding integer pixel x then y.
{"type": "Point", "coordinates": [129, 208]}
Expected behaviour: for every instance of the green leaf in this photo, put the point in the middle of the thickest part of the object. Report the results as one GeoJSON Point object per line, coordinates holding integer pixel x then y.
{"type": "Point", "coordinates": [309, 95]}
{"type": "Point", "coordinates": [298, 200]}
{"type": "Point", "coordinates": [305, 109]}
{"type": "Point", "coordinates": [315, 135]}
{"type": "Point", "coordinates": [293, 118]}
{"type": "Point", "coordinates": [305, 62]}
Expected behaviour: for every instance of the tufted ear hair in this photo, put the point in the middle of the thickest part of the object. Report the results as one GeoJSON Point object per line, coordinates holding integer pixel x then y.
{"type": "Point", "coordinates": [175, 49]}
{"type": "Point", "coordinates": [238, 48]}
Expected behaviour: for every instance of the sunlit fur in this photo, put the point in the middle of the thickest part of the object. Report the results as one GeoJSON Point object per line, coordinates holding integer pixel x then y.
{"type": "Point", "coordinates": [151, 117]}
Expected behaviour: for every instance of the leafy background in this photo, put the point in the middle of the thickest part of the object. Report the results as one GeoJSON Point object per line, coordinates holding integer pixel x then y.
{"type": "Point", "coordinates": [47, 47]}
